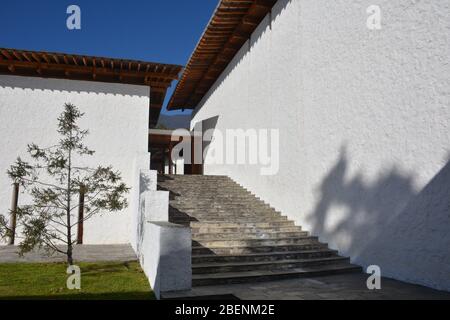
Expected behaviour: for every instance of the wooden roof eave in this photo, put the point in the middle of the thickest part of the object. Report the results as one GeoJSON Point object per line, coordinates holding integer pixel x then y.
{"type": "Point", "coordinates": [76, 67]}
{"type": "Point", "coordinates": [228, 29]}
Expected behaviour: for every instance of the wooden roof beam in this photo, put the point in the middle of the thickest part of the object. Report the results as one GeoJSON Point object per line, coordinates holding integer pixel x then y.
{"type": "Point", "coordinates": [83, 69]}
{"type": "Point", "coordinates": [45, 58]}
{"type": "Point", "coordinates": [35, 57]}
{"type": "Point", "coordinates": [26, 56]}
{"type": "Point", "coordinates": [232, 24]}
{"type": "Point", "coordinates": [6, 54]}
{"type": "Point", "coordinates": [251, 21]}
{"type": "Point", "coordinates": [87, 68]}
{"type": "Point", "coordinates": [235, 5]}
{"type": "Point", "coordinates": [55, 57]}
{"type": "Point", "coordinates": [17, 56]}
{"type": "Point", "coordinates": [94, 69]}
{"type": "Point", "coordinates": [266, 4]}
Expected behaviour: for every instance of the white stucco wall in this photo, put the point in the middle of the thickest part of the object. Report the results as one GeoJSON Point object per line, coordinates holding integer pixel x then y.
{"type": "Point", "coordinates": [163, 248]}
{"type": "Point", "coordinates": [116, 116]}
{"type": "Point", "coordinates": [364, 120]}
{"type": "Point", "coordinates": [165, 256]}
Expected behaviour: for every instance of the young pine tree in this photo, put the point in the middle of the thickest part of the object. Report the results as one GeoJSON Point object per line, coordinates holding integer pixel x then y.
{"type": "Point", "coordinates": [54, 180]}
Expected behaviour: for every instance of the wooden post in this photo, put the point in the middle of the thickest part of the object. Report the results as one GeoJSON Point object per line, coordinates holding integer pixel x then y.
{"type": "Point", "coordinates": [170, 159]}
{"type": "Point", "coordinates": [192, 155]}
{"type": "Point", "coordinates": [14, 203]}
{"type": "Point", "coordinates": [163, 160]}
{"type": "Point", "coordinates": [80, 217]}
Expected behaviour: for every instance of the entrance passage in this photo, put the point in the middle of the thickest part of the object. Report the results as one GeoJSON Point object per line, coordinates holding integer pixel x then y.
{"type": "Point", "coordinates": [161, 144]}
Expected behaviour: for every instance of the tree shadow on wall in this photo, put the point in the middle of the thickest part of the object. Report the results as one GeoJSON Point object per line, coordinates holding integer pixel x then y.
{"type": "Point", "coordinates": [387, 222]}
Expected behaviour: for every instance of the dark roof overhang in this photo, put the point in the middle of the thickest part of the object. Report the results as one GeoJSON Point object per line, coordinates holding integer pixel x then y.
{"type": "Point", "coordinates": [158, 76]}
{"type": "Point", "coordinates": [230, 27]}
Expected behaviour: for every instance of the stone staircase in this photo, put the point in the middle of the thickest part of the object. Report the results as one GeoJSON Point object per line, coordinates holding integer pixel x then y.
{"type": "Point", "coordinates": [237, 238]}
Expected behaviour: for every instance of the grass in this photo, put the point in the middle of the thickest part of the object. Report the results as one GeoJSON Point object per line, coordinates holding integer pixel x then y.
{"type": "Point", "coordinates": [99, 281]}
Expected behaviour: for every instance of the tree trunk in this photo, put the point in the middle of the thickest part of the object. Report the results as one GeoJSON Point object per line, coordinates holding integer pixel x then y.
{"type": "Point", "coordinates": [69, 254]}
{"type": "Point", "coordinates": [15, 200]}
{"type": "Point", "coordinates": [80, 217]}
{"type": "Point", "coordinates": [69, 193]}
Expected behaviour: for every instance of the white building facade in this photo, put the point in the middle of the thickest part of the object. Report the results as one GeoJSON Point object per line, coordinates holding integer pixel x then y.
{"type": "Point", "coordinates": [364, 124]}
{"type": "Point", "coordinates": [116, 115]}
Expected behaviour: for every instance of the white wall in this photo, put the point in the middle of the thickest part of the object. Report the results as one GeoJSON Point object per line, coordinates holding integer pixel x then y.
{"type": "Point", "coordinates": [116, 116]}
{"type": "Point", "coordinates": [163, 248]}
{"type": "Point", "coordinates": [364, 120]}
{"type": "Point", "coordinates": [165, 256]}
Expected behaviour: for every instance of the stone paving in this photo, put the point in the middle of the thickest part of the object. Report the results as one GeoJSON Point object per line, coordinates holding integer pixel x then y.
{"type": "Point", "coordinates": [350, 286]}
{"type": "Point", "coordinates": [85, 253]}
{"type": "Point", "coordinates": [337, 287]}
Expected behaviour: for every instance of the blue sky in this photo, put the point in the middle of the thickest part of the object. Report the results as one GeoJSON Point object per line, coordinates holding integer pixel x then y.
{"type": "Point", "coordinates": [152, 30]}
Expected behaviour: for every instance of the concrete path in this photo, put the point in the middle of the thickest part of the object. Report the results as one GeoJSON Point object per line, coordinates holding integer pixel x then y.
{"type": "Point", "coordinates": [337, 287]}
{"type": "Point", "coordinates": [85, 253]}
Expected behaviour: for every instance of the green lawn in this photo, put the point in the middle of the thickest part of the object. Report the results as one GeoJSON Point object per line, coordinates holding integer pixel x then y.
{"type": "Point", "coordinates": [108, 280]}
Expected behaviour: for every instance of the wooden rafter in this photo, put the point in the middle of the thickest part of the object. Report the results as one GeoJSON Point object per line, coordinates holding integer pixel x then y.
{"type": "Point", "coordinates": [18, 56]}
{"type": "Point", "coordinates": [229, 28]}
{"type": "Point", "coordinates": [75, 67]}
{"type": "Point", "coordinates": [6, 54]}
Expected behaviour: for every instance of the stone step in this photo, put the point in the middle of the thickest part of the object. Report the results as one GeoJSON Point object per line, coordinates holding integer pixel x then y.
{"type": "Point", "coordinates": [271, 256]}
{"type": "Point", "coordinates": [237, 237]}
{"type": "Point", "coordinates": [206, 191]}
{"type": "Point", "coordinates": [243, 230]}
{"type": "Point", "coordinates": [203, 190]}
{"type": "Point", "coordinates": [205, 185]}
{"type": "Point", "coordinates": [202, 268]}
{"type": "Point", "coordinates": [224, 210]}
{"type": "Point", "coordinates": [198, 249]}
{"type": "Point", "coordinates": [226, 213]}
{"type": "Point", "coordinates": [255, 242]}
{"type": "Point", "coordinates": [234, 224]}
{"type": "Point", "coordinates": [211, 176]}
{"type": "Point", "coordinates": [230, 216]}
{"type": "Point", "coordinates": [186, 182]}
{"type": "Point", "coordinates": [268, 275]}
{"type": "Point", "coordinates": [255, 235]}
{"type": "Point", "coordinates": [207, 182]}
{"type": "Point", "coordinates": [193, 204]}
{"type": "Point", "coordinates": [213, 219]}
{"type": "Point", "coordinates": [204, 195]}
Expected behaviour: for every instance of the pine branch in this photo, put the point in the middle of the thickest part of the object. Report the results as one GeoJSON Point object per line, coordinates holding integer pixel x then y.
{"type": "Point", "coordinates": [43, 183]}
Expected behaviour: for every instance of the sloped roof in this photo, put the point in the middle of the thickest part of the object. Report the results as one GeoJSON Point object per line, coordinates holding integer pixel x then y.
{"type": "Point", "coordinates": [158, 76]}
{"type": "Point", "coordinates": [229, 28]}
